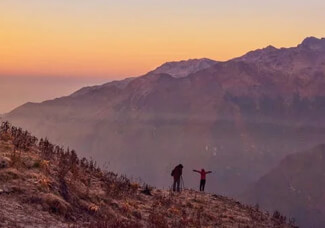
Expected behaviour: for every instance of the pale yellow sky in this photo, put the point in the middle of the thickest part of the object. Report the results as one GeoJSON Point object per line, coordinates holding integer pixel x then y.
{"type": "Point", "coordinates": [115, 39]}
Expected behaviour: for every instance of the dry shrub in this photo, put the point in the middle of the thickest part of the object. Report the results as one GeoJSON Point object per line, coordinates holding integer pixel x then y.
{"type": "Point", "coordinates": [278, 217]}
{"type": "Point", "coordinates": [45, 165]}
{"type": "Point", "coordinates": [157, 220]}
{"type": "Point", "coordinates": [9, 174]}
{"type": "Point", "coordinates": [134, 186]}
{"type": "Point", "coordinates": [2, 218]}
{"type": "Point", "coordinates": [93, 208]}
{"type": "Point", "coordinates": [15, 158]}
{"type": "Point", "coordinates": [5, 137]}
{"type": "Point", "coordinates": [50, 202]}
{"type": "Point", "coordinates": [137, 214]}
{"type": "Point", "coordinates": [115, 223]}
{"type": "Point", "coordinates": [164, 201]}
{"type": "Point", "coordinates": [4, 162]}
{"type": "Point", "coordinates": [29, 163]}
{"type": "Point", "coordinates": [198, 217]}
{"type": "Point", "coordinates": [44, 184]}
{"type": "Point", "coordinates": [55, 204]}
{"type": "Point", "coordinates": [117, 186]}
{"type": "Point", "coordinates": [174, 211]}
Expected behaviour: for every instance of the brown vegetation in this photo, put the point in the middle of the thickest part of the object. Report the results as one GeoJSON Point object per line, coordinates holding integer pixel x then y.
{"type": "Point", "coordinates": [44, 185]}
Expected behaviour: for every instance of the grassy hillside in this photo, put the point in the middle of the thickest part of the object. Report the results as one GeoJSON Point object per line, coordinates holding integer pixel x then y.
{"type": "Point", "coordinates": [44, 185]}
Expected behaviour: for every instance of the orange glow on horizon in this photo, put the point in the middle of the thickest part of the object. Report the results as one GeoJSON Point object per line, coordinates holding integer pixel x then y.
{"type": "Point", "coordinates": [111, 40]}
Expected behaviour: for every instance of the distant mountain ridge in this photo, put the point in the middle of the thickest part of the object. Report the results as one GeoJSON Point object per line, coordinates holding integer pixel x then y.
{"type": "Point", "coordinates": [238, 117]}
{"type": "Point", "coordinates": [177, 69]}
{"type": "Point", "coordinates": [302, 65]}
{"type": "Point", "coordinates": [295, 187]}
{"type": "Point", "coordinates": [305, 59]}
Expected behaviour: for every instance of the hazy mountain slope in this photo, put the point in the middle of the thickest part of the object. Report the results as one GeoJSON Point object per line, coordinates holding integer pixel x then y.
{"type": "Point", "coordinates": [175, 69]}
{"type": "Point", "coordinates": [42, 185]}
{"type": "Point", "coordinates": [93, 89]}
{"type": "Point", "coordinates": [238, 118]}
{"type": "Point", "coordinates": [295, 187]}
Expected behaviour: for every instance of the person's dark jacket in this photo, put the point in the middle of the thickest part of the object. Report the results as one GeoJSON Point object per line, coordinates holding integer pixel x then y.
{"type": "Point", "coordinates": [177, 172]}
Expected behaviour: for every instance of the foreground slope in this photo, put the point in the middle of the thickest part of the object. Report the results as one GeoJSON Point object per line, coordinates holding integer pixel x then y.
{"type": "Point", "coordinates": [296, 187]}
{"type": "Point", "coordinates": [238, 118]}
{"type": "Point", "coordinates": [42, 185]}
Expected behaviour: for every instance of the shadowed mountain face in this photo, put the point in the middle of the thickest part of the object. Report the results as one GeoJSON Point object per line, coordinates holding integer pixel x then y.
{"type": "Point", "coordinates": [295, 187]}
{"type": "Point", "coordinates": [237, 118]}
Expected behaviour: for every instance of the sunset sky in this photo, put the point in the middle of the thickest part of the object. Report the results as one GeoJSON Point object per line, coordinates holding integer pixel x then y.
{"type": "Point", "coordinates": [129, 37]}
{"type": "Point", "coordinates": [114, 39]}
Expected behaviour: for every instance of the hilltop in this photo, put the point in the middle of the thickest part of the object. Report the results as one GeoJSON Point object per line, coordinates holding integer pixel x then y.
{"type": "Point", "coordinates": [44, 185]}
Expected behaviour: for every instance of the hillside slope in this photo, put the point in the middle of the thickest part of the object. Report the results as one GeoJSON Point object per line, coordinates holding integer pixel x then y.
{"type": "Point", "coordinates": [42, 185]}
{"type": "Point", "coordinates": [296, 187]}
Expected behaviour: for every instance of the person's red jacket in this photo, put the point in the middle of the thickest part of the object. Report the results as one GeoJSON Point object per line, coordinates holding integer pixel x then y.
{"type": "Point", "coordinates": [203, 173]}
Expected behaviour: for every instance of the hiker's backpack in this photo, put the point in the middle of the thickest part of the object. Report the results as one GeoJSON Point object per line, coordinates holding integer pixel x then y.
{"type": "Point", "coordinates": [173, 172]}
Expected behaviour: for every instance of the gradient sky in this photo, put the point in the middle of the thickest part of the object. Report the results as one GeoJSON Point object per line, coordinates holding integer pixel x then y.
{"type": "Point", "coordinates": [114, 39]}
{"type": "Point", "coordinates": [130, 37]}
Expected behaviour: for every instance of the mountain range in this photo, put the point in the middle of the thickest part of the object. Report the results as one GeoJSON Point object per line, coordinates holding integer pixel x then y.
{"type": "Point", "coordinates": [238, 118]}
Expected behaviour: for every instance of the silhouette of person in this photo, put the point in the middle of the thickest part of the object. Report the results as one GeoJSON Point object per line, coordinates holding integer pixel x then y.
{"type": "Point", "coordinates": [177, 174]}
{"type": "Point", "coordinates": [203, 174]}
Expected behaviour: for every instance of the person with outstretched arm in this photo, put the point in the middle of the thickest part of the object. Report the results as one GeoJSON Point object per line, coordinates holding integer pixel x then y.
{"type": "Point", "coordinates": [203, 174]}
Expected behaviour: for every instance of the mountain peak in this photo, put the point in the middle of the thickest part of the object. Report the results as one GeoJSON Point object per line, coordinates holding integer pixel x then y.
{"type": "Point", "coordinates": [180, 69]}
{"type": "Point", "coordinates": [270, 48]}
{"type": "Point", "coordinates": [313, 43]}
{"type": "Point", "coordinates": [259, 54]}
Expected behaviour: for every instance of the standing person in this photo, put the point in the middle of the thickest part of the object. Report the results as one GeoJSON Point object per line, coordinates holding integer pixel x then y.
{"type": "Point", "coordinates": [177, 174]}
{"type": "Point", "coordinates": [203, 178]}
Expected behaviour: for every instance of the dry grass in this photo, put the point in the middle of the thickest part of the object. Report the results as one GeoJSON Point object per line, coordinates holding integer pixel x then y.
{"type": "Point", "coordinates": [55, 184]}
